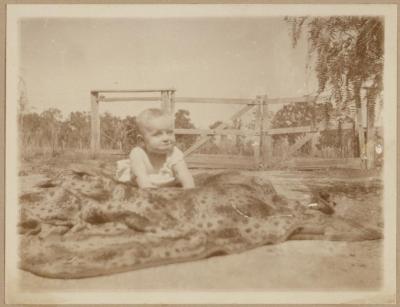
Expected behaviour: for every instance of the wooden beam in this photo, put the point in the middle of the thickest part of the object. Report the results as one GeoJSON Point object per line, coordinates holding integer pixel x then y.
{"type": "Point", "coordinates": [112, 99]}
{"type": "Point", "coordinates": [299, 143]}
{"type": "Point", "coordinates": [218, 131]}
{"type": "Point", "coordinates": [95, 124]}
{"type": "Point", "coordinates": [222, 166]}
{"type": "Point", "coordinates": [267, 143]}
{"type": "Point", "coordinates": [258, 128]}
{"type": "Point", "coordinates": [135, 91]}
{"type": "Point", "coordinates": [216, 100]}
{"type": "Point", "coordinates": [220, 161]}
{"type": "Point", "coordinates": [165, 103]}
{"type": "Point", "coordinates": [316, 135]}
{"type": "Point", "coordinates": [361, 136]}
{"type": "Point", "coordinates": [370, 146]}
{"type": "Point", "coordinates": [172, 103]}
{"type": "Point", "coordinates": [289, 130]}
{"type": "Point", "coordinates": [314, 142]}
{"type": "Point", "coordinates": [221, 158]}
{"type": "Point", "coordinates": [312, 163]}
{"type": "Point", "coordinates": [286, 100]}
{"type": "Point", "coordinates": [203, 140]}
{"type": "Point", "coordinates": [302, 129]}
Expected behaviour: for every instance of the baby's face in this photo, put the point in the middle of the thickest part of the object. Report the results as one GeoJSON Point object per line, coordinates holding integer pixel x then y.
{"type": "Point", "coordinates": [159, 135]}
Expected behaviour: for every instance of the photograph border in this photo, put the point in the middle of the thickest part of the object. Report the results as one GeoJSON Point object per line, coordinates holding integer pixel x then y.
{"type": "Point", "coordinates": [170, 297]}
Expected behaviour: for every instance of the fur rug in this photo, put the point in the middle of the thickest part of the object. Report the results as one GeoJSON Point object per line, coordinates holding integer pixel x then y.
{"type": "Point", "coordinates": [82, 223]}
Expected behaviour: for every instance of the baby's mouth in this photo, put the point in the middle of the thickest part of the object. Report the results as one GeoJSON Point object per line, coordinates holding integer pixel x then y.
{"type": "Point", "coordinates": [167, 145]}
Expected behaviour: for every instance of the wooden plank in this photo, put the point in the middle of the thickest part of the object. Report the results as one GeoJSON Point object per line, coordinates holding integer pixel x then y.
{"type": "Point", "coordinates": [287, 100]}
{"type": "Point", "coordinates": [95, 124]}
{"type": "Point", "coordinates": [303, 140]}
{"type": "Point", "coordinates": [310, 163]}
{"type": "Point", "coordinates": [289, 130]}
{"type": "Point", "coordinates": [221, 166]}
{"type": "Point", "coordinates": [303, 129]}
{"type": "Point", "coordinates": [314, 142]}
{"type": "Point", "coordinates": [217, 131]}
{"type": "Point", "coordinates": [220, 158]}
{"type": "Point", "coordinates": [133, 99]}
{"type": "Point", "coordinates": [220, 161]}
{"type": "Point", "coordinates": [361, 137]}
{"type": "Point", "coordinates": [316, 135]}
{"type": "Point", "coordinates": [258, 127]}
{"type": "Point", "coordinates": [299, 143]}
{"type": "Point", "coordinates": [172, 103]}
{"type": "Point", "coordinates": [135, 91]}
{"type": "Point", "coordinates": [267, 144]}
{"type": "Point", "coordinates": [309, 137]}
{"type": "Point", "coordinates": [370, 146]}
{"type": "Point", "coordinates": [216, 100]}
{"type": "Point", "coordinates": [165, 102]}
{"type": "Point", "coordinates": [203, 140]}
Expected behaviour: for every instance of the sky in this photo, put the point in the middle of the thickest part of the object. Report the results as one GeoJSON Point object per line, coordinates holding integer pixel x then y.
{"type": "Point", "coordinates": [63, 59]}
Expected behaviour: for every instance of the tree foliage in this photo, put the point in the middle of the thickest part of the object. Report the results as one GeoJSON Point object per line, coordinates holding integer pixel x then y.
{"type": "Point", "coordinates": [49, 130]}
{"type": "Point", "coordinates": [346, 53]}
{"type": "Point", "coordinates": [183, 121]}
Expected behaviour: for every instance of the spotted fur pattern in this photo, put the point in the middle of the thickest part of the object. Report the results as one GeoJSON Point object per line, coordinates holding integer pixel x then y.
{"type": "Point", "coordinates": [84, 224]}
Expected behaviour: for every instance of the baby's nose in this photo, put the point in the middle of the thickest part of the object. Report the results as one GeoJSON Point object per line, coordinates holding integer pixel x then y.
{"type": "Point", "coordinates": [166, 137]}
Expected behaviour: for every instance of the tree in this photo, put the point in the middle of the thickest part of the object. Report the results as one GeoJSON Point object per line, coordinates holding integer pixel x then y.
{"type": "Point", "coordinates": [347, 52]}
{"type": "Point", "coordinates": [50, 127]}
{"type": "Point", "coordinates": [78, 129]}
{"type": "Point", "coordinates": [182, 120]}
{"type": "Point", "coordinates": [22, 108]}
{"type": "Point", "coordinates": [130, 133]}
{"type": "Point", "coordinates": [304, 114]}
{"type": "Point", "coordinates": [30, 128]}
{"type": "Point", "coordinates": [347, 56]}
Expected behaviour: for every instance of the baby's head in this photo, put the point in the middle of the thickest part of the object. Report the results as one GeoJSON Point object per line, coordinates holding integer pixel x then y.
{"type": "Point", "coordinates": [156, 130]}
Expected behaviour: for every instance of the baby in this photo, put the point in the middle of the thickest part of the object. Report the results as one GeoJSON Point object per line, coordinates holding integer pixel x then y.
{"type": "Point", "coordinates": [156, 162]}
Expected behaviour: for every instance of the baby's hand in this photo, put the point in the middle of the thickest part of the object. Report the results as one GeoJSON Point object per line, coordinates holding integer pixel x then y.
{"type": "Point", "coordinates": [144, 182]}
{"type": "Point", "coordinates": [183, 174]}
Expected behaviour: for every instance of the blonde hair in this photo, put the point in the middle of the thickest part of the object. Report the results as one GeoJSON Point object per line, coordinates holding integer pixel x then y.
{"type": "Point", "coordinates": [145, 116]}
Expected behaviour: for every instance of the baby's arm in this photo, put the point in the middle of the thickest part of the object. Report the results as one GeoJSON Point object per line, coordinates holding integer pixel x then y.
{"type": "Point", "coordinates": [139, 170]}
{"type": "Point", "coordinates": [184, 176]}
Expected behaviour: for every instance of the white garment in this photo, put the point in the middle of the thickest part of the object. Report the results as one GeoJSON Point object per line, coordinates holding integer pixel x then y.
{"type": "Point", "coordinates": [164, 176]}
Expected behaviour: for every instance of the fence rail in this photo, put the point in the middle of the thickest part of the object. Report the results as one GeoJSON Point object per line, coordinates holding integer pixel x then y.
{"type": "Point", "coordinates": [216, 100]}
{"type": "Point", "coordinates": [263, 130]}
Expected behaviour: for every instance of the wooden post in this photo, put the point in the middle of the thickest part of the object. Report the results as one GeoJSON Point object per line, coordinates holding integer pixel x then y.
{"type": "Point", "coordinates": [266, 145]}
{"type": "Point", "coordinates": [95, 124]}
{"type": "Point", "coordinates": [258, 128]}
{"type": "Point", "coordinates": [172, 106]}
{"type": "Point", "coordinates": [165, 102]}
{"type": "Point", "coordinates": [361, 137]}
{"type": "Point", "coordinates": [315, 132]}
{"type": "Point", "coordinates": [370, 147]}
{"type": "Point", "coordinates": [172, 101]}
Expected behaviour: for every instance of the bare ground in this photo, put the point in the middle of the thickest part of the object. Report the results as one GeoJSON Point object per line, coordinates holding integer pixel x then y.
{"type": "Point", "coordinates": [293, 265]}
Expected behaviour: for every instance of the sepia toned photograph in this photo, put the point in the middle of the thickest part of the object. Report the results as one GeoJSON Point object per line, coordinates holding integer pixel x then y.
{"type": "Point", "coordinates": [201, 153]}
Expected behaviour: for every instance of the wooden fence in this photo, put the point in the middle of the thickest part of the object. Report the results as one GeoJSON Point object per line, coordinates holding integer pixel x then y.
{"type": "Point", "coordinates": [263, 132]}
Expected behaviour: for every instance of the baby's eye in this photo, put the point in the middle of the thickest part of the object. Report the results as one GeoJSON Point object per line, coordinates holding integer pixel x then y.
{"type": "Point", "coordinates": [170, 131]}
